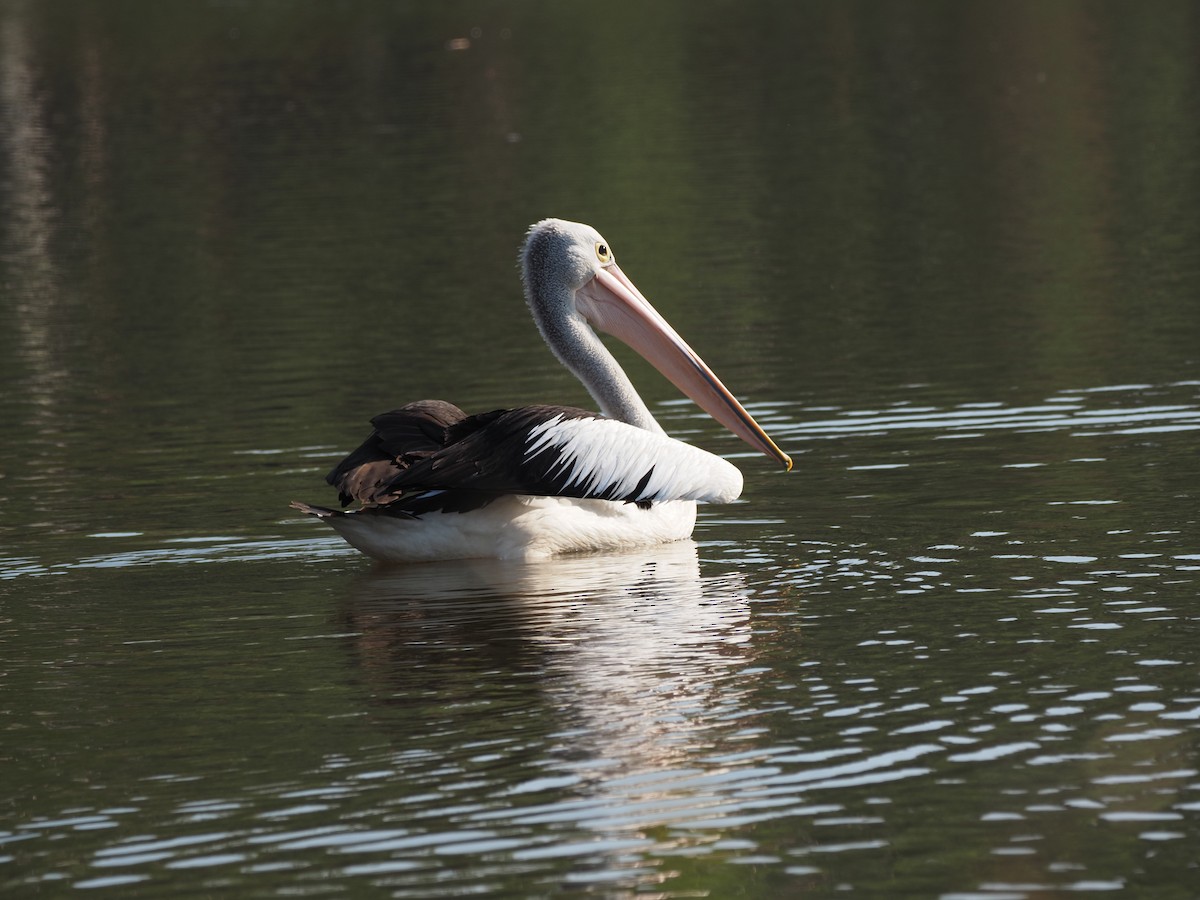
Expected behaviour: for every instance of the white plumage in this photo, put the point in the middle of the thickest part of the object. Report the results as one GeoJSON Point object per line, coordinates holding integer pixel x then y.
{"type": "Point", "coordinates": [607, 456]}
{"type": "Point", "coordinates": [516, 527]}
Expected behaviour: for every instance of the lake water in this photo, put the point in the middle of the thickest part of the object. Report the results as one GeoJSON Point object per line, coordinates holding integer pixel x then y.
{"type": "Point", "coordinates": [947, 253]}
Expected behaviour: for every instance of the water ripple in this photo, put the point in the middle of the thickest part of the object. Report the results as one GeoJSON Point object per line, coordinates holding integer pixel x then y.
{"type": "Point", "coordinates": [1069, 411]}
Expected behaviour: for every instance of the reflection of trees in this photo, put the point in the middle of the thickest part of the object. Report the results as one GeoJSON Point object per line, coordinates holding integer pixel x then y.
{"type": "Point", "coordinates": [207, 205]}
{"type": "Point", "coordinates": [941, 162]}
{"type": "Point", "coordinates": [922, 141]}
{"type": "Point", "coordinates": [27, 269]}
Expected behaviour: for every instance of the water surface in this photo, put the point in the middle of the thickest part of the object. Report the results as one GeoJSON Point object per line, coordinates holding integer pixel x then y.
{"type": "Point", "coordinates": [946, 253]}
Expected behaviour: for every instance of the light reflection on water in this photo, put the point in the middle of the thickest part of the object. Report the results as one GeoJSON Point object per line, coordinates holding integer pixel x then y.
{"type": "Point", "coordinates": [1084, 412]}
{"type": "Point", "coordinates": [762, 698]}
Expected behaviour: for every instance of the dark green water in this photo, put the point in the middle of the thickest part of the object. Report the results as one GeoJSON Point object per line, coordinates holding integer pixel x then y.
{"type": "Point", "coordinates": [949, 255]}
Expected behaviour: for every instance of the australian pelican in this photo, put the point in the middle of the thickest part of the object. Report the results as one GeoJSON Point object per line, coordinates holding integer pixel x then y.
{"type": "Point", "coordinates": [435, 483]}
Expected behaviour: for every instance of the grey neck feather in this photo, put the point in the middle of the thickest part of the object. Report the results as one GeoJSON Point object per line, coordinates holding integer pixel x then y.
{"type": "Point", "coordinates": [555, 258]}
{"type": "Point", "coordinates": [583, 353]}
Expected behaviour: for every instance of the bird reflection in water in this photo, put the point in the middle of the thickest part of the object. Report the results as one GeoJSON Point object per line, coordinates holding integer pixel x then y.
{"type": "Point", "coordinates": [622, 662]}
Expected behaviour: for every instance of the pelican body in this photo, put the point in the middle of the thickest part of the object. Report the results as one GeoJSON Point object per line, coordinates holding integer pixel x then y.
{"type": "Point", "coordinates": [432, 482]}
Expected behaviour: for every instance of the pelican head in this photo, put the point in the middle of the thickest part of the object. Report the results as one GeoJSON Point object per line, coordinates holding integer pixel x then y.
{"type": "Point", "coordinates": [572, 281]}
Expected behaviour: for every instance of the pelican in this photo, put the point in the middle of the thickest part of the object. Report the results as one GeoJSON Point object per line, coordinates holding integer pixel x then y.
{"type": "Point", "coordinates": [435, 483]}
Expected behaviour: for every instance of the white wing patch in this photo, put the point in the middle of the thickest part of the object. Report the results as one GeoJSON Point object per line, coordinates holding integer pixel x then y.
{"type": "Point", "coordinates": [607, 457]}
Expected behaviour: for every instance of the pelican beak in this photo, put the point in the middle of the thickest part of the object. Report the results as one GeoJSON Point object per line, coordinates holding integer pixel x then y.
{"type": "Point", "coordinates": [611, 303]}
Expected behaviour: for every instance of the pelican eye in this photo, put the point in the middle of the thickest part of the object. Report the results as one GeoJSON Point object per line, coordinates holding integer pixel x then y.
{"type": "Point", "coordinates": [603, 253]}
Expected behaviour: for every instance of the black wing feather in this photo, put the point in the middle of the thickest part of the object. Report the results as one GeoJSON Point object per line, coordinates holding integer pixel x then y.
{"type": "Point", "coordinates": [432, 457]}
{"type": "Point", "coordinates": [489, 456]}
{"type": "Point", "coordinates": [401, 437]}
